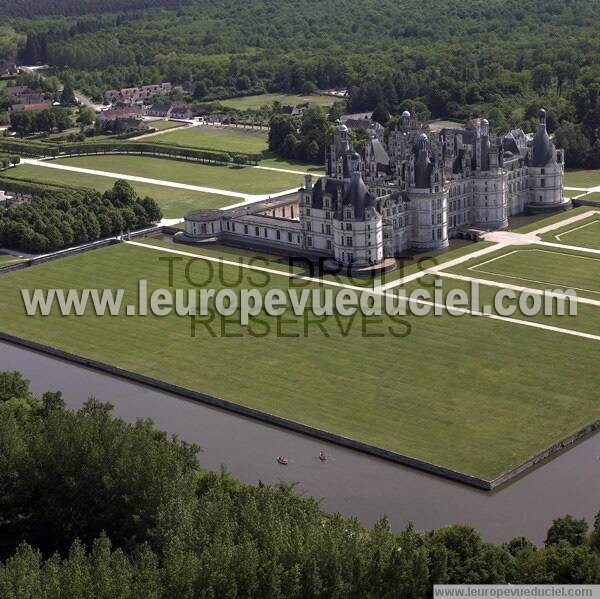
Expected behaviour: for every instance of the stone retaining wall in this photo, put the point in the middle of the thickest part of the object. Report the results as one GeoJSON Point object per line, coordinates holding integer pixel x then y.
{"type": "Point", "coordinates": [249, 412]}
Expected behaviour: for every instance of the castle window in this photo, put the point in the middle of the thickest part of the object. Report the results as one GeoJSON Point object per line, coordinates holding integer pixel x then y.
{"type": "Point", "coordinates": [233, 227]}
{"type": "Point", "coordinates": [348, 214]}
{"type": "Point", "coordinates": [322, 228]}
{"type": "Point", "coordinates": [308, 226]}
{"type": "Point", "coordinates": [290, 237]}
{"type": "Point", "coordinates": [433, 235]}
{"type": "Point", "coordinates": [309, 241]}
{"type": "Point", "coordinates": [278, 235]}
{"type": "Point", "coordinates": [328, 229]}
{"type": "Point", "coordinates": [328, 215]}
{"type": "Point", "coordinates": [542, 182]}
{"type": "Point", "coordinates": [349, 241]}
{"type": "Point", "coordinates": [266, 232]}
{"type": "Point", "coordinates": [543, 172]}
{"type": "Point", "coordinates": [246, 229]}
{"type": "Point", "coordinates": [329, 244]}
{"type": "Point", "coordinates": [256, 231]}
{"type": "Point", "coordinates": [348, 226]}
{"type": "Point", "coordinates": [203, 228]}
{"type": "Point", "coordinates": [308, 212]}
{"type": "Point", "coordinates": [327, 203]}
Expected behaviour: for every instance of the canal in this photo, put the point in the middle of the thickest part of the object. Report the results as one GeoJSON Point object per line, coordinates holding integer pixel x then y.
{"type": "Point", "coordinates": [349, 482]}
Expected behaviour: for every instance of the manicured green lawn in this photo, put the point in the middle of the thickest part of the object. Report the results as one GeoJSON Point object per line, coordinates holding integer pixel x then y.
{"type": "Point", "coordinates": [230, 178]}
{"type": "Point", "coordinates": [584, 233]}
{"type": "Point", "coordinates": [538, 267]}
{"type": "Point", "coordinates": [256, 102]}
{"type": "Point", "coordinates": [587, 179]}
{"type": "Point", "coordinates": [468, 393]}
{"type": "Point", "coordinates": [223, 139]}
{"type": "Point", "coordinates": [7, 258]}
{"type": "Point", "coordinates": [165, 125]}
{"type": "Point", "coordinates": [569, 193]}
{"type": "Point", "coordinates": [273, 161]}
{"type": "Point", "coordinates": [550, 220]}
{"type": "Point", "coordinates": [173, 202]}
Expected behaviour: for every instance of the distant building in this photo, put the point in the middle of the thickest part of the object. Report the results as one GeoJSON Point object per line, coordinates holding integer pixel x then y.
{"type": "Point", "coordinates": [174, 110]}
{"type": "Point", "coordinates": [181, 111]}
{"type": "Point", "coordinates": [412, 193]}
{"type": "Point", "coordinates": [121, 111]}
{"type": "Point", "coordinates": [369, 126]}
{"type": "Point", "coordinates": [293, 110]}
{"type": "Point", "coordinates": [159, 110]}
{"type": "Point", "coordinates": [14, 91]}
{"type": "Point", "coordinates": [133, 124]}
{"type": "Point", "coordinates": [45, 105]}
{"type": "Point", "coordinates": [133, 95]}
{"type": "Point", "coordinates": [5, 199]}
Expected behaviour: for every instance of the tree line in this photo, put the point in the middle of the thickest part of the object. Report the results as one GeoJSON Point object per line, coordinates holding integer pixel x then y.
{"type": "Point", "coordinates": [59, 219]}
{"type": "Point", "coordinates": [499, 60]}
{"type": "Point", "coordinates": [91, 506]}
{"type": "Point", "coordinates": [29, 122]}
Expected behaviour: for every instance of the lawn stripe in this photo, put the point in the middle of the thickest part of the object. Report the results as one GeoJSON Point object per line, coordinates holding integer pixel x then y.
{"type": "Point", "coordinates": [418, 302]}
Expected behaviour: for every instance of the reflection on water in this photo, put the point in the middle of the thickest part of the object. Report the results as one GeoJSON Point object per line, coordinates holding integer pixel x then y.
{"type": "Point", "coordinates": [349, 482]}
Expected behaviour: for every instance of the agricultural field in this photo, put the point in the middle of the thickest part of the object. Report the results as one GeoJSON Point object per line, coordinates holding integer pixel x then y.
{"type": "Point", "coordinates": [376, 387]}
{"type": "Point", "coordinates": [256, 102]}
{"type": "Point", "coordinates": [223, 139]}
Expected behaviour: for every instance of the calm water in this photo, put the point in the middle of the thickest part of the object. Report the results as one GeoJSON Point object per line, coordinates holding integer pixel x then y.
{"type": "Point", "coordinates": [350, 482]}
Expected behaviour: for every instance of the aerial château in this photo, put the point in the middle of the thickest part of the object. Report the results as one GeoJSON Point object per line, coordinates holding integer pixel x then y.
{"type": "Point", "coordinates": [410, 193]}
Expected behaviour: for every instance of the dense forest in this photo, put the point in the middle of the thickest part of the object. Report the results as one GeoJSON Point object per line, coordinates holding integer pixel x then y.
{"type": "Point", "coordinates": [502, 58]}
{"type": "Point", "coordinates": [91, 506]}
{"type": "Point", "coordinates": [59, 219]}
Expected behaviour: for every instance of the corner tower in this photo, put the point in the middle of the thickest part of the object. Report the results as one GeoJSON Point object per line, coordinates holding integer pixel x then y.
{"type": "Point", "coordinates": [545, 172]}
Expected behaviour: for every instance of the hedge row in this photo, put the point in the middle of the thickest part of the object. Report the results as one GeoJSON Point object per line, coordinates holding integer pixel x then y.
{"type": "Point", "coordinates": [158, 149]}
{"type": "Point", "coordinates": [34, 189]}
{"type": "Point", "coordinates": [26, 148]}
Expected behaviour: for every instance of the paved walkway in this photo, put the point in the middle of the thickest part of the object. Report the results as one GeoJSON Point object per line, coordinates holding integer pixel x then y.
{"type": "Point", "coordinates": [518, 288]}
{"type": "Point", "coordinates": [377, 291]}
{"type": "Point", "coordinates": [502, 239]}
{"type": "Point", "coordinates": [247, 198]}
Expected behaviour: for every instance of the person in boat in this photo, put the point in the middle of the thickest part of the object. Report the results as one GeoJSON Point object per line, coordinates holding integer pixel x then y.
{"type": "Point", "coordinates": [322, 456]}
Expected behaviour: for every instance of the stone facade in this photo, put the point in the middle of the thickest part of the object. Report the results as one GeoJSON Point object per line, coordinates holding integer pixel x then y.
{"type": "Point", "coordinates": [411, 193]}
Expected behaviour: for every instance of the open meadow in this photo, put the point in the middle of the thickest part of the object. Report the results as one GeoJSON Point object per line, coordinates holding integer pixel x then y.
{"type": "Point", "coordinates": [256, 102]}
{"type": "Point", "coordinates": [222, 139]}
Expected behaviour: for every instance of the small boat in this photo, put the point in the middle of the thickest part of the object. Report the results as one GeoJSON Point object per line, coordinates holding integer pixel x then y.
{"type": "Point", "coordinates": [281, 460]}
{"type": "Point", "coordinates": [322, 457]}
